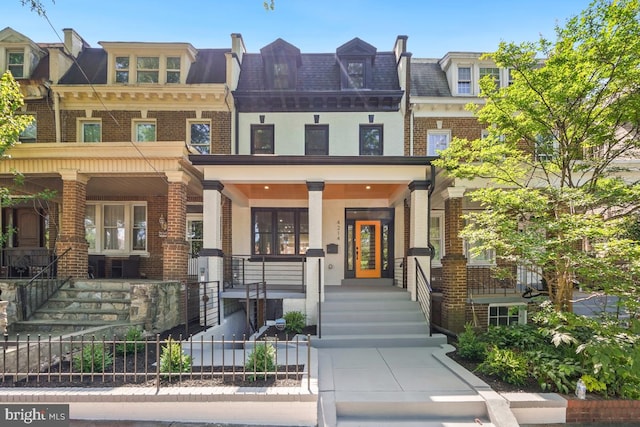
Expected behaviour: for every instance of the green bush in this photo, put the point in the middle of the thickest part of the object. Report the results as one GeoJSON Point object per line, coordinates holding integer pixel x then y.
{"type": "Point", "coordinates": [172, 359]}
{"type": "Point", "coordinates": [506, 364]}
{"type": "Point", "coordinates": [134, 342]}
{"type": "Point", "coordinates": [261, 359]}
{"type": "Point", "coordinates": [296, 321]}
{"type": "Point", "coordinates": [554, 374]}
{"type": "Point", "coordinates": [470, 346]}
{"type": "Point", "coordinates": [93, 358]}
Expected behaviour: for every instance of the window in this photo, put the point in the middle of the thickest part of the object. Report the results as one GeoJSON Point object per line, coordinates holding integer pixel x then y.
{"type": "Point", "coordinates": [436, 236]}
{"type": "Point", "coordinates": [144, 130]}
{"type": "Point", "coordinates": [493, 72]}
{"type": "Point", "coordinates": [355, 74]}
{"type": "Point", "coordinates": [30, 133]}
{"type": "Point", "coordinates": [280, 231]}
{"type": "Point", "coordinates": [122, 69]}
{"type": "Point", "coordinates": [510, 71]}
{"type": "Point", "coordinates": [371, 140]}
{"type": "Point", "coordinates": [173, 69]}
{"type": "Point", "coordinates": [200, 135]}
{"type": "Point", "coordinates": [281, 75]}
{"type": "Point", "coordinates": [15, 64]}
{"type": "Point", "coordinates": [147, 68]}
{"type": "Point", "coordinates": [484, 257]}
{"type": "Point", "coordinates": [116, 227]}
{"type": "Point", "coordinates": [507, 314]}
{"type": "Point", "coordinates": [90, 130]}
{"type": "Point", "coordinates": [464, 80]}
{"type": "Point", "coordinates": [195, 236]}
{"type": "Point", "coordinates": [437, 140]}
{"type": "Point", "coordinates": [546, 147]}
{"type": "Point", "coordinates": [316, 140]}
{"type": "Point", "coordinates": [262, 139]}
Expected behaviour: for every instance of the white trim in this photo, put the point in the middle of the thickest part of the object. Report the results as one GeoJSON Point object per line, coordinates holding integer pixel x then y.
{"type": "Point", "coordinates": [522, 313]}
{"type": "Point", "coordinates": [134, 129]}
{"type": "Point", "coordinates": [431, 149]}
{"type": "Point", "coordinates": [80, 122]}
{"type": "Point", "coordinates": [128, 228]}
{"type": "Point", "coordinates": [198, 121]}
{"type": "Point", "coordinates": [438, 215]}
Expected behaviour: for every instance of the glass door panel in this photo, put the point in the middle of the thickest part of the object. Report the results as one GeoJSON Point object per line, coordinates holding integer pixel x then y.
{"type": "Point", "coordinates": [368, 249]}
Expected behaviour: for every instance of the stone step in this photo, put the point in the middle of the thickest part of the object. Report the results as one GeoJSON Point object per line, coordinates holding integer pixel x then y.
{"type": "Point", "coordinates": [83, 293]}
{"type": "Point", "coordinates": [61, 325]}
{"type": "Point", "coordinates": [112, 285]}
{"type": "Point", "coordinates": [89, 303]}
{"type": "Point", "coordinates": [105, 315]}
{"type": "Point", "coordinates": [371, 328]}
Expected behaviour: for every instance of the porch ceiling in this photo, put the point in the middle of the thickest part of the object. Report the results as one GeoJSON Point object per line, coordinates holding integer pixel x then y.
{"type": "Point", "coordinates": [331, 191]}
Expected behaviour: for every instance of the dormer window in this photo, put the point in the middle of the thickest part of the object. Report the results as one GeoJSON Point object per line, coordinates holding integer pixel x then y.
{"type": "Point", "coordinates": [173, 69]}
{"type": "Point", "coordinates": [355, 74]}
{"type": "Point", "coordinates": [464, 80]}
{"type": "Point", "coordinates": [148, 69]}
{"type": "Point", "coordinates": [281, 76]}
{"type": "Point", "coordinates": [15, 64]}
{"type": "Point", "coordinates": [122, 69]}
{"type": "Point", "coordinates": [281, 61]}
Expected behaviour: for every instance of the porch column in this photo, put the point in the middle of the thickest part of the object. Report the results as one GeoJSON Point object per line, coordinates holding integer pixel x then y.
{"type": "Point", "coordinates": [315, 253]}
{"type": "Point", "coordinates": [74, 263]}
{"type": "Point", "coordinates": [454, 263]}
{"type": "Point", "coordinates": [418, 235]}
{"type": "Point", "coordinates": [175, 248]}
{"type": "Point", "coordinates": [211, 255]}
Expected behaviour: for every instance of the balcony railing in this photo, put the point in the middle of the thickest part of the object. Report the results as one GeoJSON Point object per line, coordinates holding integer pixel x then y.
{"type": "Point", "coordinates": [277, 274]}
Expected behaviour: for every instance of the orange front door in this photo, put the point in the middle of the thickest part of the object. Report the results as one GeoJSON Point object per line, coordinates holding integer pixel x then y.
{"type": "Point", "coordinates": [368, 249]}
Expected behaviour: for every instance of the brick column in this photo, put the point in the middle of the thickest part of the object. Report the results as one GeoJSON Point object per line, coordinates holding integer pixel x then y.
{"type": "Point", "coordinates": [418, 235]}
{"type": "Point", "coordinates": [454, 263]}
{"type": "Point", "coordinates": [315, 253]}
{"type": "Point", "coordinates": [175, 249]}
{"type": "Point", "coordinates": [74, 263]}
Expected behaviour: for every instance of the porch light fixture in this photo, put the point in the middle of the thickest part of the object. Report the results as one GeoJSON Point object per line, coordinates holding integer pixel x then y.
{"type": "Point", "coordinates": [371, 117]}
{"type": "Point", "coordinates": [261, 118]}
{"type": "Point", "coordinates": [368, 187]}
{"type": "Point", "coordinates": [266, 187]}
{"type": "Point", "coordinates": [163, 223]}
{"type": "Point", "coordinates": [316, 118]}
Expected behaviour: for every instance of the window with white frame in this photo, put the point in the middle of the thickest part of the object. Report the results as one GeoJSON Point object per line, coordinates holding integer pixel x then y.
{"type": "Point", "coordinates": [464, 80]}
{"type": "Point", "coordinates": [144, 130]}
{"type": "Point", "coordinates": [195, 236]}
{"type": "Point", "coordinates": [122, 69]}
{"type": "Point", "coordinates": [507, 314]}
{"type": "Point", "coordinates": [15, 64]}
{"type": "Point", "coordinates": [90, 130]}
{"type": "Point", "coordinates": [173, 69]}
{"type": "Point", "coordinates": [30, 133]}
{"type": "Point", "coordinates": [437, 140]}
{"type": "Point", "coordinates": [510, 76]}
{"type": "Point", "coordinates": [474, 257]}
{"type": "Point", "coordinates": [148, 69]}
{"type": "Point", "coordinates": [116, 228]}
{"type": "Point", "coordinates": [436, 235]}
{"type": "Point", "coordinates": [199, 135]}
{"type": "Point", "coordinates": [493, 72]}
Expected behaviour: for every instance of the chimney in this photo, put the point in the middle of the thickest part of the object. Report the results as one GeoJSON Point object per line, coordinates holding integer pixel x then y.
{"type": "Point", "coordinates": [73, 43]}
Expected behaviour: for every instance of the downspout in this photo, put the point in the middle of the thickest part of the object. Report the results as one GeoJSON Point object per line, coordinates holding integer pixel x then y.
{"type": "Point", "coordinates": [432, 185]}
{"type": "Point", "coordinates": [237, 127]}
{"type": "Point", "coordinates": [56, 109]}
{"type": "Point", "coordinates": [411, 131]}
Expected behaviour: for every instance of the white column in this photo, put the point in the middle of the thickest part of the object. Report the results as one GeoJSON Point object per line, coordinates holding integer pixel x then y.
{"type": "Point", "coordinates": [211, 255]}
{"type": "Point", "coordinates": [418, 235]}
{"type": "Point", "coordinates": [314, 273]}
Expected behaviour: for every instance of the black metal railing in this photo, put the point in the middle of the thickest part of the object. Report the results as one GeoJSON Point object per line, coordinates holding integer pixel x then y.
{"type": "Point", "coordinates": [99, 362]}
{"type": "Point", "coordinates": [424, 291]}
{"type": "Point", "coordinates": [255, 305]}
{"type": "Point", "coordinates": [208, 302]}
{"type": "Point", "coordinates": [482, 280]}
{"type": "Point", "coordinates": [43, 285]}
{"type": "Point", "coordinates": [277, 274]}
{"type": "Point", "coordinates": [400, 272]}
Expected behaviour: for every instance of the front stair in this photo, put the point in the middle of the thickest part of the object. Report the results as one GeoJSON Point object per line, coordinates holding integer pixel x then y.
{"type": "Point", "coordinates": [79, 306]}
{"type": "Point", "coordinates": [370, 316]}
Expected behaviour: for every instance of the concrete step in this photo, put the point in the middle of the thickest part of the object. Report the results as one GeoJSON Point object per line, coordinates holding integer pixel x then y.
{"type": "Point", "coordinates": [378, 316]}
{"type": "Point", "coordinates": [378, 340]}
{"type": "Point", "coordinates": [410, 406]}
{"type": "Point", "coordinates": [367, 282]}
{"type": "Point", "coordinates": [371, 328]}
{"type": "Point", "coordinates": [423, 422]}
{"type": "Point", "coordinates": [369, 304]}
{"type": "Point", "coordinates": [342, 295]}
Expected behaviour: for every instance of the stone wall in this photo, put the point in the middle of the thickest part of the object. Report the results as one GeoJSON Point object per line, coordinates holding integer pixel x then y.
{"type": "Point", "coordinates": [157, 306]}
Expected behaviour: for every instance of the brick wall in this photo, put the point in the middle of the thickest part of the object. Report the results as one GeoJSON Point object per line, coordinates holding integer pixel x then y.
{"type": "Point", "coordinates": [609, 411]}
{"type": "Point", "coordinates": [42, 110]}
{"type": "Point", "coordinates": [460, 127]}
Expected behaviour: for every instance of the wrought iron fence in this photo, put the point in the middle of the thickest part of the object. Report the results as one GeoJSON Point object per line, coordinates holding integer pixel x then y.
{"type": "Point", "coordinates": [152, 362]}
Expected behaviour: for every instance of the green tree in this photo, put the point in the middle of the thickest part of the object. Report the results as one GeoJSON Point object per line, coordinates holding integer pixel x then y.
{"type": "Point", "coordinates": [559, 190]}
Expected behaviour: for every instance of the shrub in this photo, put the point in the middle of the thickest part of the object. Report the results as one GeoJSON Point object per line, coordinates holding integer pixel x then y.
{"type": "Point", "coordinates": [261, 359]}
{"type": "Point", "coordinates": [134, 342]}
{"type": "Point", "coordinates": [554, 374]}
{"type": "Point", "coordinates": [506, 364]}
{"type": "Point", "coordinates": [296, 321]}
{"type": "Point", "coordinates": [92, 358]}
{"type": "Point", "coordinates": [172, 359]}
{"type": "Point", "coordinates": [470, 347]}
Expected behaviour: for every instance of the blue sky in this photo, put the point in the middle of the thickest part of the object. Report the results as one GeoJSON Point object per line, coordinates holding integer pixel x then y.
{"type": "Point", "coordinates": [434, 27]}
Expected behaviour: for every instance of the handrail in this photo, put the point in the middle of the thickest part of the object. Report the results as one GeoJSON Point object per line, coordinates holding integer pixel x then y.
{"type": "Point", "coordinates": [286, 273]}
{"type": "Point", "coordinates": [424, 291]}
{"type": "Point", "coordinates": [48, 266]}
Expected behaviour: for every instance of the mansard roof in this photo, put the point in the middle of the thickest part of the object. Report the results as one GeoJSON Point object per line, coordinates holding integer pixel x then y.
{"type": "Point", "coordinates": [428, 78]}
{"type": "Point", "coordinates": [210, 67]}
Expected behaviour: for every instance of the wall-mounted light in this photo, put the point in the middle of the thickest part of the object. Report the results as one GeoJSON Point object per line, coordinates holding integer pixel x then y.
{"type": "Point", "coordinates": [368, 187]}
{"type": "Point", "coordinates": [163, 223]}
{"type": "Point", "coordinates": [371, 118]}
{"type": "Point", "coordinates": [439, 124]}
{"type": "Point", "coordinates": [316, 118]}
{"type": "Point", "coordinates": [261, 118]}
{"type": "Point", "coordinates": [266, 187]}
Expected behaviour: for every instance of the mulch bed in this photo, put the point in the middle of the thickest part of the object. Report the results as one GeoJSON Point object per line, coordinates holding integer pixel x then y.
{"type": "Point", "coordinates": [63, 374]}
